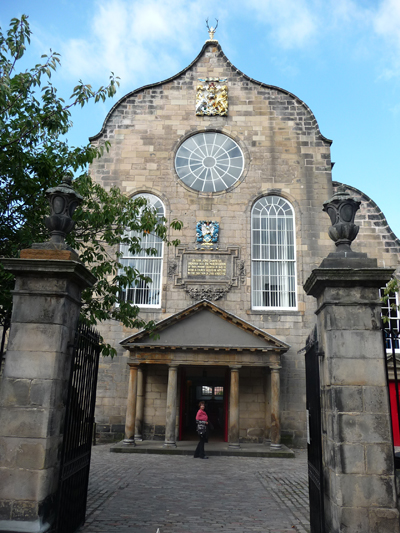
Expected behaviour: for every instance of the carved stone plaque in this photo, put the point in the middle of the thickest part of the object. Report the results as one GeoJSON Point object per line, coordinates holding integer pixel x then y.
{"type": "Point", "coordinates": [208, 274]}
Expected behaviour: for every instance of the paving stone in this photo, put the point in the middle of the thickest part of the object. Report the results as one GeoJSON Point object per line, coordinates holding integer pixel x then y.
{"type": "Point", "coordinates": [143, 493]}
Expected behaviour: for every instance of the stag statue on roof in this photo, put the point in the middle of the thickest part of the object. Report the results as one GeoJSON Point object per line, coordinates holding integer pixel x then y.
{"type": "Point", "coordinates": [211, 31]}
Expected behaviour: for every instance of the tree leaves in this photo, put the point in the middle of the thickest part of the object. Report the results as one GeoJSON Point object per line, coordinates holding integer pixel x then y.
{"type": "Point", "coordinates": [103, 223]}
{"type": "Point", "coordinates": [34, 156]}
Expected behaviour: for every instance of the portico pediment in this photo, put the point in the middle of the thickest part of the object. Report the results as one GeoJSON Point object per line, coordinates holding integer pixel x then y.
{"type": "Point", "coordinates": [205, 326]}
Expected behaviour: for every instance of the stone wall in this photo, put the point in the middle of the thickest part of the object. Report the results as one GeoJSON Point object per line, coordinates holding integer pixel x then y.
{"type": "Point", "coordinates": [156, 382]}
{"type": "Point", "coordinates": [285, 154]}
{"type": "Point", "coordinates": [34, 387]}
{"type": "Point", "coordinates": [112, 386]}
{"type": "Point", "coordinates": [375, 236]}
{"type": "Point", "coordinates": [251, 405]}
{"type": "Point", "coordinates": [357, 447]}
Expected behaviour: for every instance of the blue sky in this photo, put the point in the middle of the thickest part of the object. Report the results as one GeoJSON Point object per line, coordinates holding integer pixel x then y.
{"type": "Point", "coordinates": [342, 57]}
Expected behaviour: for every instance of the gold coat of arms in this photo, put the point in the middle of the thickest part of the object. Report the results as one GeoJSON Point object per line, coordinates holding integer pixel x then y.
{"type": "Point", "coordinates": [212, 97]}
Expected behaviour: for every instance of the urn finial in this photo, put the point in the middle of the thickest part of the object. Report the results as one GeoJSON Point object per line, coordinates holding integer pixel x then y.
{"type": "Point", "coordinates": [342, 209]}
{"type": "Point", "coordinates": [63, 202]}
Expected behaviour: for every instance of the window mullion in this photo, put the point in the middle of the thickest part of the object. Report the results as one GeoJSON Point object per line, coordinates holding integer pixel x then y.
{"type": "Point", "coordinates": [141, 293]}
{"type": "Point", "coordinates": [273, 270]}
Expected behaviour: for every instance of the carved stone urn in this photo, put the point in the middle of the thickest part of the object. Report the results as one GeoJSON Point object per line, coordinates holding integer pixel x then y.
{"type": "Point", "coordinates": [342, 209]}
{"type": "Point", "coordinates": [63, 202]}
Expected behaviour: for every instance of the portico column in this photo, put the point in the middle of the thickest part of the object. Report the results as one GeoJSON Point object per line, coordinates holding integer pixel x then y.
{"type": "Point", "coordinates": [234, 408]}
{"type": "Point", "coordinates": [139, 405]}
{"type": "Point", "coordinates": [275, 399]}
{"type": "Point", "coordinates": [170, 419]}
{"type": "Point", "coordinates": [131, 405]}
{"type": "Point", "coordinates": [267, 389]}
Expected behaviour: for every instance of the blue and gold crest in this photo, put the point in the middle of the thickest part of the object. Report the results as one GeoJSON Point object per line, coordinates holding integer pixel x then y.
{"type": "Point", "coordinates": [207, 234]}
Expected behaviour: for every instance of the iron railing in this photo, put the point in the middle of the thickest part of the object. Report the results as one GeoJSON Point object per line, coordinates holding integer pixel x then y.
{"type": "Point", "coordinates": [6, 326]}
{"type": "Point", "coordinates": [78, 428]}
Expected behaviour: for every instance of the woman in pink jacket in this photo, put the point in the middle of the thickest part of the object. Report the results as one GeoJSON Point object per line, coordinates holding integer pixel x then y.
{"type": "Point", "coordinates": [201, 423]}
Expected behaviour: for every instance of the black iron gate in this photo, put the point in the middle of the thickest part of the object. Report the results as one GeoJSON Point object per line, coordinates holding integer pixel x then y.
{"type": "Point", "coordinates": [314, 437]}
{"type": "Point", "coordinates": [78, 428]}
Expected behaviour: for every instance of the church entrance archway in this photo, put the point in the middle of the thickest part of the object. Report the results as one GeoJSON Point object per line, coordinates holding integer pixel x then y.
{"type": "Point", "coordinates": [211, 385]}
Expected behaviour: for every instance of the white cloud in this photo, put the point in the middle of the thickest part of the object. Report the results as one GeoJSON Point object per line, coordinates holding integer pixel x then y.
{"type": "Point", "coordinates": [374, 27]}
{"type": "Point", "coordinates": [386, 24]}
{"type": "Point", "coordinates": [138, 41]}
{"type": "Point", "coordinates": [346, 11]}
{"type": "Point", "coordinates": [293, 22]}
{"type": "Point", "coordinates": [146, 41]}
{"type": "Point", "coordinates": [143, 42]}
{"type": "Point", "coordinates": [387, 21]}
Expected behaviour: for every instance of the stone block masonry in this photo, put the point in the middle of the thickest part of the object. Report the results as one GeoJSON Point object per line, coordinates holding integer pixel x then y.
{"type": "Point", "coordinates": [359, 485]}
{"type": "Point", "coordinates": [34, 386]}
{"type": "Point", "coordinates": [285, 154]}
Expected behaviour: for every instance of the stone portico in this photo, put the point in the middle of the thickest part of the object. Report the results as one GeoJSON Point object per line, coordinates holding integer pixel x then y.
{"type": "Point", "coordinates": [205, 341]}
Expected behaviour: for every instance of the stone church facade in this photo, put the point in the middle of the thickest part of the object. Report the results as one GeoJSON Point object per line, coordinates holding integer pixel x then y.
{"type": "Point", "coordinates": [246, 169]}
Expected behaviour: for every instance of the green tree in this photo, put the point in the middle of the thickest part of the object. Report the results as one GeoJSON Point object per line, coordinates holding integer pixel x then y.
{"type": "Point", "coordinates": [34, 155]}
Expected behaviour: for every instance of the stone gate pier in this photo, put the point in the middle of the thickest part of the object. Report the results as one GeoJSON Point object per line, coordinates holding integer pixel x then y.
{"type": "Point", "coordinates": [34, 386]}
{"type": "Point", "coordinates": [49, 279]}
{"type": "Point", "coordinates": [357, 447]}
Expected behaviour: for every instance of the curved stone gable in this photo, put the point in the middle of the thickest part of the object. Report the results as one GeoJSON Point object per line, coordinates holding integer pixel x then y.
{"type": "Point", "coordinates": [376, 237]}
{"type": "Point", "coordinates": [283, 103]}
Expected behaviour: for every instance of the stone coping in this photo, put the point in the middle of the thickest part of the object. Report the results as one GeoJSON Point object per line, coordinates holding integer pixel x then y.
{"type": "Point", "coordinates": [67, 268]}
{"type": "Point", "coordinates": [320, 278]}
{"type": "Point", "coordinates": [212, 448]}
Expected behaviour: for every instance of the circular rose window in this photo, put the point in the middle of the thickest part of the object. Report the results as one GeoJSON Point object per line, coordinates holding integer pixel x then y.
{"type": "Point", "coordinates": [209, 162]}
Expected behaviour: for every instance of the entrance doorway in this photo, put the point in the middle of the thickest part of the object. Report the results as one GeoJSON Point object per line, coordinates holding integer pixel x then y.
{"type": "Point", "coordinates": [211, 385]}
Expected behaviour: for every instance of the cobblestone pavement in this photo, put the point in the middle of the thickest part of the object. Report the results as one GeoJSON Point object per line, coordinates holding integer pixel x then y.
{"type": "Point", "coordinates": [144, 493]}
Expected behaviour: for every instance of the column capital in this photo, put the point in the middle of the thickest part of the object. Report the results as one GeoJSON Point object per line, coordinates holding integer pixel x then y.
{"type": "Point", "coordinates": [133, 365]}
{"type": "Point", "coordinates": [173, 365]}
{"type": "Point", "coordinates": [275, 368]}
{"type": "Point", "coordinates": [235, 367]}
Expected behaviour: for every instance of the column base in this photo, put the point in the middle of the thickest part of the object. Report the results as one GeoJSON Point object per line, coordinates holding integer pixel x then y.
{"type": "Point", "coordinates": [276, 446]}
{"type": "Point", "coordinates": [234, 446]}
{"type": "Point", "coordinates": [138, 438]}
{"type": "Point", "coordinates": [131, 442]}
{"type": "Point", "coordinates": [169, 445]}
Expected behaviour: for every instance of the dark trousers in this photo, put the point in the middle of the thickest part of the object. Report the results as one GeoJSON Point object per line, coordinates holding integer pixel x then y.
{"type": "Point", "coordinates": [200, 447]}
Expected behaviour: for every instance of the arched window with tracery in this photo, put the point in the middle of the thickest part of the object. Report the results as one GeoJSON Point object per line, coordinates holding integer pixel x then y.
{"type": "Point", "coordinates": [146, 294]}
{"type": "Point", "coordinates": [273, 254]}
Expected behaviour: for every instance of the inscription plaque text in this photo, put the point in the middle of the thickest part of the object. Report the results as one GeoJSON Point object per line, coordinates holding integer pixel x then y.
{"type": "Point", "coordinates": [206, 267]}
